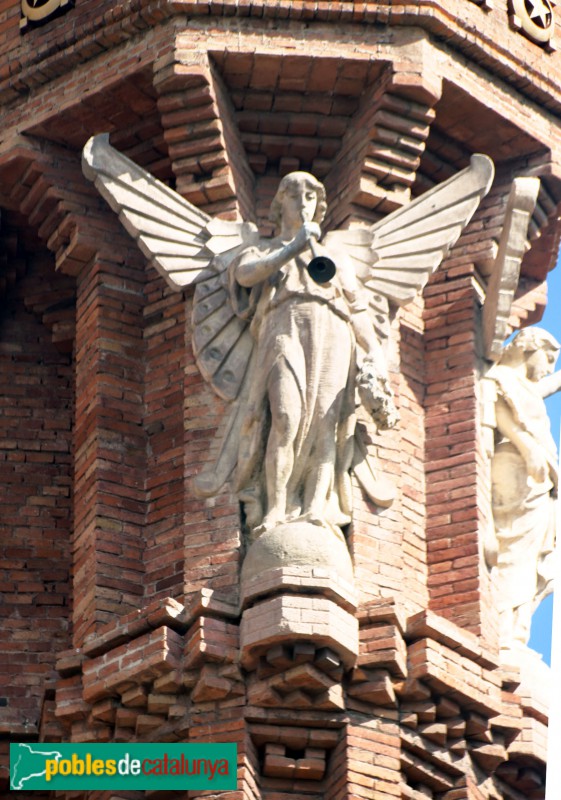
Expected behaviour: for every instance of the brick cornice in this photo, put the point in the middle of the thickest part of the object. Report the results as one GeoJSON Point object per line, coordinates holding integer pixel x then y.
{"type": "Point", "coordinates": [53, 56]}
{"type": "Point", "coordinates": [520, 63]}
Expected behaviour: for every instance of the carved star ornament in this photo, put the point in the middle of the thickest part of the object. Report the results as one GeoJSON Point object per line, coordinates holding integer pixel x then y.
{"type": "Point", "coordinates": [535, 18]}
{"type": "Point", "coordinates": [539, 11]}
{"type": "Point", "coordinates": [37, 11]}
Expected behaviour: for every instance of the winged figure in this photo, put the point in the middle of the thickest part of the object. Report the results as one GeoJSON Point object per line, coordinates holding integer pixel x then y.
{"type": "Point", "coordinates": [290, 354]}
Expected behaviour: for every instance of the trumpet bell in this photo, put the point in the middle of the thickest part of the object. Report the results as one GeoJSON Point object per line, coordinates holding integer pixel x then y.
{"type": "Point", "coordinates": [321, 269]}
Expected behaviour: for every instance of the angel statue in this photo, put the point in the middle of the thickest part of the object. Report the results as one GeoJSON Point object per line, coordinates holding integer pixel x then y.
{"type": "Point", "coordinates": [292, 355]}
{"type": "Point", "coordinates": [524, 475]}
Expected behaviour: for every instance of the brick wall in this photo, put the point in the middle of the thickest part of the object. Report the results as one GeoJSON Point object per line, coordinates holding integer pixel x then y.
{"type": "Point", "coordinates": [221, 104]}
{"type": "Point", "coordinates": [164, 337]}
{"type": "Point", "coordinates": [110, 440]}
{"type": "Point", "coordinates": [36, 414]}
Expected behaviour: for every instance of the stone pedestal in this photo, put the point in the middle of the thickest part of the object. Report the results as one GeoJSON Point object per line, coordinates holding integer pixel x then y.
{"type": "Point", "coordinates": [297, 585]}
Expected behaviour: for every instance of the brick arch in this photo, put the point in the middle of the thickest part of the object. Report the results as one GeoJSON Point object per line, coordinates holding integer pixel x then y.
{"type": "Point", "coordinates": [52, 203]}
{"type": "Point", "coordinates": [44, 183]}
{"type": "Point", "coordinates": [36, 411]}
{"type": "Point", "coordinates": [37, 213]}
{"type": "Point", "coordinates": [54, 305]}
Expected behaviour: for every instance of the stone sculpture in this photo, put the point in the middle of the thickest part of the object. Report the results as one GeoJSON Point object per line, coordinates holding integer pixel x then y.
{"type": "Point", "coordinates": [504, 270]}
{"type": "Point", "coordinates": [300, 418]}
{"type": "Point", "coordinates": [289, 353]}
{"type": "Point", "coordinates": [524, 480]}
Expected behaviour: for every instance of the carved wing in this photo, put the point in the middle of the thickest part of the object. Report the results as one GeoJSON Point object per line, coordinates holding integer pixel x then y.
{"type": "Point", "coordinates": [396, 256]}
{"type": "Point", "coordinates": [222, 342]}
{"type": "Point", "coordinates": [176, 237]}
{"type": "Point", "coordinates": [186, 246]}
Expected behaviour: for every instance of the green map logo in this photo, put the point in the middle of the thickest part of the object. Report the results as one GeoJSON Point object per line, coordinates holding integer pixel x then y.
{"type": "Point", "coordinates": [28, 763]}
{"type": "Point", "coordinates": [163, 766]}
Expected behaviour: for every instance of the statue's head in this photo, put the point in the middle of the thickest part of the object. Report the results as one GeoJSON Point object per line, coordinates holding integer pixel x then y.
{"type": "Point", "coordinates": [536, 348]}
{"type": "Point", "coordinates": [295, 185]}
{"type": "Point", "coordinates": [528, 340]}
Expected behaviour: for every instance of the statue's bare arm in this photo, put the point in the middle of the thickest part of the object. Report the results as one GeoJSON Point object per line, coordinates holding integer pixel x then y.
{"type": "Point", "coordinates": [253, 271]}
{"type": "Point", "coordinates": [529, 449]}
{"type": "Point", "coordinates": [367, 339]}
{"type": "Point", "coordinates": [360, 319]}
{"type": "Point", "coordinates": [551, 384]}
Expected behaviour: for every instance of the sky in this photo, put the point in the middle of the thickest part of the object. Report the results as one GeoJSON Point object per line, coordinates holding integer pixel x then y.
{"type": "Point", "coordinates": [540, 638]}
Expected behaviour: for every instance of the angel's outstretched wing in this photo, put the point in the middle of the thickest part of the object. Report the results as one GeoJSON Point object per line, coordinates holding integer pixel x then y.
{"type": "Point", "coordinates": [396, 256]}
{"type": "Point", "coordinates": [186, 246]}
{"type": "Point", "coordinates": [179, 239]}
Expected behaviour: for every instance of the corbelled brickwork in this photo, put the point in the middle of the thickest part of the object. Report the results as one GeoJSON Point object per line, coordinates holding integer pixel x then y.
{"type": "Point", "coordinates": [120, 589]}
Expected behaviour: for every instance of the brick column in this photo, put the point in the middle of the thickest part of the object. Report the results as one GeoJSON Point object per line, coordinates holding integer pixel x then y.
{"type": "Point", "coordinates": [452, 446]}
{"type": "Point", "coordinates": [211, 172]}
{"type": "Point", "coordinates": [110, 446]}
{"type": "Point", "coordinates": [164, 338]}
{"type": "Point", "coordinates": [373, 174]}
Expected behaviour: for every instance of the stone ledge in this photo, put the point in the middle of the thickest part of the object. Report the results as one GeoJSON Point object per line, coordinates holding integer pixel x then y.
{"type": "Point", "coordinates": [210, 640]}
{"type": "Point", "coordinates": [289, 618]}
{"type": "Point", "coordinates": [300, 580]}
{"type": "Point", "coordinates": [160, 612]}
{"type": "Point", "coordinates": [168, 612]}
{"type": "Point", "coordinates": [209, 603]}
{"type": "Point", "coordinates": [69, 662]}
{"type": "Point", "coordinates": [429, 752]}
{"type": "Point", "coordinates": [531, 696]}
{"type": "Point", "coordinates": [535, 682]}
{"type": "Point", "coordinates": [531, 743]}
{"type": "Point", "coordinates": [382, 646]}
{"type": "Point", "coordinates": [446, 671]}
{"type": "Point", "coordinates": [427, 624]}
{"type": "Point", "coordinates": [153, 654]}
{"type": "Point", "coordinates": [384, 610]}
{"type": "Point", "coordinates": [282, 717]}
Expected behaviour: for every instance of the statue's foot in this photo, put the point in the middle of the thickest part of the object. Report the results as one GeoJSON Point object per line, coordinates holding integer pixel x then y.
{"type": "Point", "coordinates": [252, 508]}
{"type": "Point", "coordinates": [270, 521]}
{"type": "Point", "coordinates": [311, 517]}
{"type": "Point", "coordinates": [315, 519]}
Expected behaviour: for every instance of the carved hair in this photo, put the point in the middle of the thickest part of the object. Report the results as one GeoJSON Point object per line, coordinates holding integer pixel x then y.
{"type": "Point", "coordinates": [310, 182]}
{"type": "Point", "coordinates": [528, 340]}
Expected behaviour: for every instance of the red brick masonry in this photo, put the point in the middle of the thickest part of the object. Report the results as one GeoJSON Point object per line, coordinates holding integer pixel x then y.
{"type": "Point", "coordinates": [119, 589]}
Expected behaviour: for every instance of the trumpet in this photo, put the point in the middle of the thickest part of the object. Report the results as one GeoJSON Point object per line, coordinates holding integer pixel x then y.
{"type": "Point", "coordinates": [321, 268]}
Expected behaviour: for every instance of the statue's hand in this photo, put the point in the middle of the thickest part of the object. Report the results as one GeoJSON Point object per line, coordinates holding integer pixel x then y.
{"type": "Point", "coordinates": [376, 396]}
{"type": "Point", "coordinates": [537, 465]}
{"type": "Point", "coordinates": [309, 230]}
